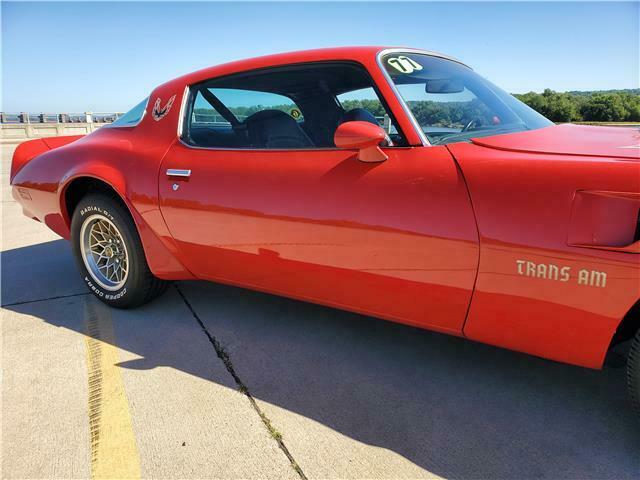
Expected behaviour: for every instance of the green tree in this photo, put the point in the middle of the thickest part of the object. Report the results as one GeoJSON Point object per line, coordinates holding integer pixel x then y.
{"type": "Point", "coordinates": [632, 107]}
{"type": "Point", "coordinates": [609, 106]}
{"type": "Point", "coordinates": [604, 108]}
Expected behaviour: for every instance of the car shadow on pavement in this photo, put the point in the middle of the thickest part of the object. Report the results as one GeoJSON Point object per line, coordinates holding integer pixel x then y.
{"type": "Point", "coordinates": [455, 408]}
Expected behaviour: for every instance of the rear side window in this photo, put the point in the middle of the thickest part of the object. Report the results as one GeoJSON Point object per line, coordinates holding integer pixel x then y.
{"type": "Point", "coordinates": [133, 116]}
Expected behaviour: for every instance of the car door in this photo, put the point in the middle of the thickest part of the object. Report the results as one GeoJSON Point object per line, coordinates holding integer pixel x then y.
{"type": "Point", "coordinates": [395, 239]}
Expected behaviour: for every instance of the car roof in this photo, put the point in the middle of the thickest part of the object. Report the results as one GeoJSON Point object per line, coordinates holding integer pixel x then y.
{"type": "Point", "coordinates": [362, 54]}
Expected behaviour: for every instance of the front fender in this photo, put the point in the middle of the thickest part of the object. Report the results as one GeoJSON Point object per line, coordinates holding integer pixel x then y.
{"type": "Point", "coordinates": [557, 271]}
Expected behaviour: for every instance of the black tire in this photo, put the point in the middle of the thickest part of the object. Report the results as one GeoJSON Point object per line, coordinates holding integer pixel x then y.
{"type": "Point", "coordinates": [139, 285]}
{"type": "Point", "coordinates": [633, 374]}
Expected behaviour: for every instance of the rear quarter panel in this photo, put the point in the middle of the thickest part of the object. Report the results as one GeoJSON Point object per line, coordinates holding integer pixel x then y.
{"type": "Point", "coordinates": [128, 159]}
{"type": "Point", "coordinates": [524, 203]}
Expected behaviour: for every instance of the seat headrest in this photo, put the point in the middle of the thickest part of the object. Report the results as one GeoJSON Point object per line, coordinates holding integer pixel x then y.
{"type": "Point", "coordinates": [275, 129]}
{"type": "Point", "coordinates": [358, 115]}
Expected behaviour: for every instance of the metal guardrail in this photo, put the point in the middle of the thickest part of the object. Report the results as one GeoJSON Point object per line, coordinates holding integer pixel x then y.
{"type": "Point", "coordinates": [9, 118]}
{"type": "Point", "coordinates": [27, 118]}
{"type": "Point", "coordinates": [18, 127]}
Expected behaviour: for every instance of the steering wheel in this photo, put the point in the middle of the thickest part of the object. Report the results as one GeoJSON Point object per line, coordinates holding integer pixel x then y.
{"type": "Point", "coordinates": [471, 124]}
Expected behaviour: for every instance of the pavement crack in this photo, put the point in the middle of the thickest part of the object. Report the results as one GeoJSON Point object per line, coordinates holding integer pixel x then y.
{"type": "Point", "coordinates": [24, 302]}
{"type": "Point", "coordinates": [226, 360]}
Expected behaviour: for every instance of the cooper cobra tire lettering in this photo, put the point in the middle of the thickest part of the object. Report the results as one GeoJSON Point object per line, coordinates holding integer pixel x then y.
{"type": "Point", "coordinates": [93, 288]}
{"type": "Point", "coordinates": [108, 296]}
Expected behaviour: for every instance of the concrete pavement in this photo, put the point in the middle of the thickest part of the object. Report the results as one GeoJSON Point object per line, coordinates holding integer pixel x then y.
{"type": "Point", "coordinates": [188, 418]}
{"type": "Point", "coordinates": [336, 394]}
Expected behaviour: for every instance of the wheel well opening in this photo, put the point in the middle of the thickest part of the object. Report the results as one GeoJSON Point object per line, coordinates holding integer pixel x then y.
{"type": "Point", "coordinates": [629, 326]}
{"type": "Point", "coordinates": [81, 187]}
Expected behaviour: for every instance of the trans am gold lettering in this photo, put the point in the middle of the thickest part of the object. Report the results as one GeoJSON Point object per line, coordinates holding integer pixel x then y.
{"type": "Point", "coordinates": [550, 271]}
{"type": "Point", "coordinates": [531, 269]}
{"type": "Point", "coordinates": [553, 271]}
{"type": "Point", "coordinates": [592, 278]}
{"type": "Point", "coordinates": [583, 277]}
{"type": "Point", "coordinates": [598, 279]}
{"type": "Point", "coordinates": [541, 271]}
{"type": "Point", "coordinates": [565, 274]}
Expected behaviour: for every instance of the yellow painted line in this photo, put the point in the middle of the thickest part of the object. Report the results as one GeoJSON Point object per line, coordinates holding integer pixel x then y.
{"type": "Point", "coordinates": [114, 454]}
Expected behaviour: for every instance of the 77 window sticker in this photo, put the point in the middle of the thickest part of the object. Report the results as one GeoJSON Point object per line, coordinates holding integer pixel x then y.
{"type": "Point", "coordinates": [404, 64]}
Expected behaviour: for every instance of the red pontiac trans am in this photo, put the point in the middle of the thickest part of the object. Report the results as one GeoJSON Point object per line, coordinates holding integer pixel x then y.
{"type": "Point", "coordinates": [393, 182]}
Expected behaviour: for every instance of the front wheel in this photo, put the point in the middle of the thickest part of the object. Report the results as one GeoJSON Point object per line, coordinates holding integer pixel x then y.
{"type": "Point", "coordinates": [109, 253]}
{"type": "Point", "coordinates": [633, 374]}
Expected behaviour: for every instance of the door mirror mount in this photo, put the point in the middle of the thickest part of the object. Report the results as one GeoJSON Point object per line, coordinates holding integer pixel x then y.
{"type": "Point", "coordinates": [364, 136]}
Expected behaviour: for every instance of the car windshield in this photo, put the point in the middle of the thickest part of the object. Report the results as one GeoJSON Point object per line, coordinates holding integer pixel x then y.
{"type": "Point", "coordinates": [451, 103]}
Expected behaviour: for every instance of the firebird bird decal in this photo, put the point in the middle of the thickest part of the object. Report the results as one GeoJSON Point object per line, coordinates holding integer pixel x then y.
{"type": "Point", "coordinates": [159, 113]}
{"type": "Point", "coordinates": [593, 278]}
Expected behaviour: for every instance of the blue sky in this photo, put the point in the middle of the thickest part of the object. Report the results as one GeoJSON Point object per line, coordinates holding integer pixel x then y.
{"type": "Point", "coordinates": [91, 56]}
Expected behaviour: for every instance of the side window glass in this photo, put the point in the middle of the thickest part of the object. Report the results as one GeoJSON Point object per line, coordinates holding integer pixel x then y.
{"type": "Point", "coordinates": [244, 103]}
{"type": "Point", "coordinates": [204, 114]}
{"type": "Point", "coordinates": [367, 99]}
{"type": "Point", "coordinates": [290, 107]}
{"type": "Point", "coordinates": [252, 119]}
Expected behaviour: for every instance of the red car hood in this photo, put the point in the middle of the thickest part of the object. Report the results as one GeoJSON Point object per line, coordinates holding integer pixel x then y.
{"type": "Point", "coordinates": [571, 140]}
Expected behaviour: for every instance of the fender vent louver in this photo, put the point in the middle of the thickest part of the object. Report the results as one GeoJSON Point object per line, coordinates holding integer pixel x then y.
{"type": "Point", "coordinates": [636, 237]}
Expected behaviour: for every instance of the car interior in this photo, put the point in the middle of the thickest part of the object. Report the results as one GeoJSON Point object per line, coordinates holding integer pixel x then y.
{"type": "Point", "coordinates": [308, 120]}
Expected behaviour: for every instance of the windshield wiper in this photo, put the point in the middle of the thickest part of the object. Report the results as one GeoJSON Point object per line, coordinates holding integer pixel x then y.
{"type": "Point", "coordinates": [481, 133]}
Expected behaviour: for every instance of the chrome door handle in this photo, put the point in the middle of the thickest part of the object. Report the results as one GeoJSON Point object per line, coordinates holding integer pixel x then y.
{"type": "Point", "coordinates": [178, 172]}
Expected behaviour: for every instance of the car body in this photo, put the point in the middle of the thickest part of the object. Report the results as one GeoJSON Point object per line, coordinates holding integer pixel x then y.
{"type": "Point", "coordinates": [526, 238]}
